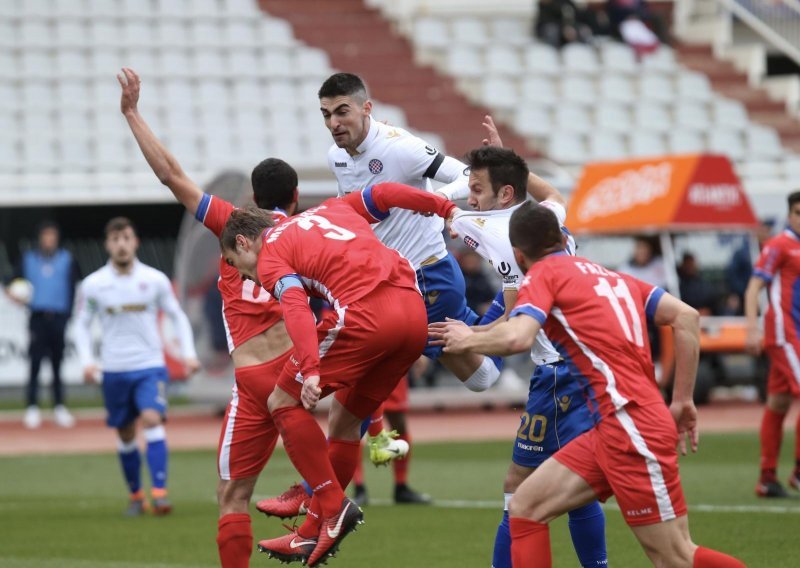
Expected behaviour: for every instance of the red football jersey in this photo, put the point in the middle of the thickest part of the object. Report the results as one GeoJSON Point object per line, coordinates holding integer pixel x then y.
{"type": "Point", "coordinates": [779, 266]}
{"type": "Point", "coordinates": [333, 249]}
{"type": "Point", "coordinates": [596, 319]}
{"type": "Point", "coordinates": [247, 310]}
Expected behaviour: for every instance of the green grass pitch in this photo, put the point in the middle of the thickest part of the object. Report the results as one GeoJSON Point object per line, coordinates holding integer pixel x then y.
{"type": "Point", "coordinates": [65, 512]}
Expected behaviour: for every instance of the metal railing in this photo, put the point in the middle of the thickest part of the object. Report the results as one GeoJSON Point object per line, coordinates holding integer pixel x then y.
{"type": "Point", "coordinates": [776, 21]}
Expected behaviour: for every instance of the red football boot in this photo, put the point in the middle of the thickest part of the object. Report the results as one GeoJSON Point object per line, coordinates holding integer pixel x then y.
{"type": "Point", "coordinates": [334, 529]}
{"type": "Point", "coordinates": [291, 503]}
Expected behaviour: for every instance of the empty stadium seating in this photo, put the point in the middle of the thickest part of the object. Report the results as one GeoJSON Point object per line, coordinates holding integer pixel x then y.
{"type": "Point", "coordinates": [224, 85]}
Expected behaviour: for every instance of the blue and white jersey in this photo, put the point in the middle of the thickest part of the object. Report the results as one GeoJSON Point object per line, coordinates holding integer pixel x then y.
{"type": "Point", "coordinates": [391, 154]}
{"type": "Point", "coordinates": [128, 306]}
{"type": "Point", "coordinates": [486, 232]}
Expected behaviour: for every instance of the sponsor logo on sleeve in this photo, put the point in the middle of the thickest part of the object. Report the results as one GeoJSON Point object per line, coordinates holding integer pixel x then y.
{"type": "Point", "coordinates": [430, 150]}
{"type": "Point", "coordinates": [375, 166]}
{"type": "Point", "coordinates": [470, 242]}
{"type": "Point", "coordinates": [340, 164]}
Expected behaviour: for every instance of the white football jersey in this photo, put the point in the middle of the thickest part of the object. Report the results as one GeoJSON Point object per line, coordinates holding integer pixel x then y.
{"type": "Point", "coordinates": [486, 232]}
{"type": "Point", "coordinates": [391, 154]}
{"type": "Point", "coordinates": [128, 307]}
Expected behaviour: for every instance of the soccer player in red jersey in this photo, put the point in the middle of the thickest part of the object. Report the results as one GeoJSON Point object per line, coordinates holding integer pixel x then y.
{"type": "Point", "coordinates": [257, 337]}
{"type": "Point", "coordinates": [778, 268]}
{"type": "Point", "coordinates": [596, 319]}
{"type": "Point", "coordinates": [361, 349]}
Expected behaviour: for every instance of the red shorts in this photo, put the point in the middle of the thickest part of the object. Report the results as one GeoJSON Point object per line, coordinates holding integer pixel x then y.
{"type": "Point", "coordinates": [632, 455]}
{"type": "Point", "coordinates": [398, 399]}
{"type": "Point", "coordinates": [366, 348]}
{"type": "Point", "coordinates": [784, 369]}
{"type": "Point", "coordinates": [248, 434]}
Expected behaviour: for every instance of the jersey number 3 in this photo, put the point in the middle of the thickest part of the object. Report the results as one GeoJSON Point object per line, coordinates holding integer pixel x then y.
{"type": "Point", "coordinates": [630, 323]}
{"type": "Point", "coordinates": [331, 231]}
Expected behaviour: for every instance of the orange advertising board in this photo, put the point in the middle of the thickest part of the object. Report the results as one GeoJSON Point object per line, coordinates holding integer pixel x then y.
{"type": "Point", "coordinates": [687, 192]}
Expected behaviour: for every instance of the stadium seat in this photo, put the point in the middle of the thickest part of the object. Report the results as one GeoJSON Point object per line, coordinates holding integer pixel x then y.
{"type": "Point", "coordinates": [567, 147]}
{"type": "Point", "coordinates": [72, 33]}
{"type": "Point", "coordinates": [730, 113]}
{"type": "Point", "coordinates": [533, 121]}
{"type": "Point", "coordinates": [390, 114]}
{"type": "Point", "coordinates": [247, 93]}
{"type": "Point", "coordinates": [105, 33]}
{"type": "Point", "coordinates": [573, 118]}
{"type": "Point", "coordinates": [248, 122]}
{"type": "Point", "coordinates": [656, 87]}
{"type": "Point", "coordinates": [34, 10]}
{"type": "Point", "coordinates": [685, 141]}
{"type": "Point", "coordinates": [238, 7]}
{"type": "Point", "coordinates": [69, 9]}
{"type": "Point", "coordinates": [691, 115]}
{"type": "Point", "coordinates": [274, 33]}
{"type": "Point", "coordinates": [132, 10]}
{"type": "Point", "coordinates": [618, 58]}
{"type": "Point", "coordinates": [791, 166]}
{"type": "Point", "coordinates": [207, 33]}
{"type": "Point", "coordinates": [469, 31]}
{"type": "Point", "coordinates": [212, 93]}
{"type": "Point", "coordinates": [276, 62]}
{"type": "Point", "coordinates": [542, 59]}
{"type": "Point", "coordinates": [38, 153]}
{"type": "Point", "coordinates": [617, 88]}
{"type": "Point", "coordinates": [605, 145]}
{"type": "Point", "coordinates": [726, 141]}
{"type": "Point", "coordinates": [208, 62]}
{"type": "Point", "coordinates": [9, 156]}
{"type": "Point", "coordinates": [662, 60]}
{"type": "Point", "coordinates": [579, 58]}
{"type": "Point", "coordinates": [174, 63]}
{"type": "Point", "coordinates": [644, 143]}
{"type": "Point", "coordinates": [36, 33]}
{"type": "Point", "coordinates": [763, 142]}
{"type": "Point", "coordinates": [8, 33]}
{"type": "Point", "coordinates": [72, 94]}
{"type": "Point", "coordinates": [177, 92]}
{"type": "Point", "coordinates": [204, 9]}
{"type": "Point", "coordinates": [500, 92]}
{"type": "Point", "coordinates": [72, 63]}
{"type": "Point", "coordinates": [503, 60]}
{"type": "Point", "coordinates": [465, 62]}
{"type": "Point", "coordinates": [243, 62]}
{"type": "Point", "coordinates": [172, 9]}
{"type": "Point", "coordinates": [105, 63]}
{"type": "Point", "coordinates": [612, 118]}
{"type": "Point", "coordinates": [509, 31]}
{"type": "Point", "coordinates": [172, 33]}
{"type": "Point", "coordinates": [578, 89]}
{"type": "Point", "coordinates": [74, 151]}
{"type": "Point", "coordinates": [181, 121]}
{"type": "Point", "coordinates": [693, 86]}
{"type": "Point", "coordinates": [102, 9]}
{"type": "Point", "coordinates": [37, 95]}
{"type": "Point", "coordinates": [311, 61]}
{"type": "Point", "coordinates": [37, 64]}
{"type": "Point", "coordinates": [431, 33]}
{"type": "Point", "coordinates": [539, 91]}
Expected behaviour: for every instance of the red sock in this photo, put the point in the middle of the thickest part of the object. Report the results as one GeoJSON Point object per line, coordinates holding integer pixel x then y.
{"type": "Point", "coordinates": [311, 526]}
{"type": "Point", "coordinates": [234, 540]}
{"type": "Point", "coordinates": [401, 466]}
{"type": "Point", "coordinates": [771, 436]}
{"type": "Point", "coordinates": [358, 474]}
{"type": "Point", "coordinates": [344, 456]}
{"type": "Point", "coordinates": [307, 448]}
{"type": "Point", "coordinates": [530, 544]}
{"type": "Point", "coordinates": [797, 444]}
{"type": "Point", "coordinates": [708, 558]}
{"type": "Point", "coordinates": [376, 422]}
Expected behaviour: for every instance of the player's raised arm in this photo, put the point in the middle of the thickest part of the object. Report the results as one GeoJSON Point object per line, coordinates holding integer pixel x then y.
{"type": "Point", "coordinates": [374, 202]}
{"type": "Point", "coordinates": [685, 323]}
{"type": "Point", "coordinates": [162, 162]}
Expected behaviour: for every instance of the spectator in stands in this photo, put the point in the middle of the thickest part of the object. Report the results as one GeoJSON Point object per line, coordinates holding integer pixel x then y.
{"type": "Point", "coordinates": [560, 22]}
{"type": "Point", "coordinates": [54, 274]}
{"type": "Point", "coordinates": [646, 263]}
{"type": "Point", "coordinates": [479, 291]}
{"type": "Point", "coordinates": [740, 268]}
{"type": "Point", "coordinates": [695, 291]}
{"type": "Point", "coordinates": [632, 22]}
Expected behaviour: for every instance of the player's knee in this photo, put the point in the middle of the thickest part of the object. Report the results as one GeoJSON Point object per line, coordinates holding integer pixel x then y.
{"type": "Point", "coordinates": [151, 418]}
{"type": "Point", "coordinates": [233, 497]}
{"type": "Point", "coordinates": [779, 402]}
{"type": "Point", "coordinates": [529, 508]}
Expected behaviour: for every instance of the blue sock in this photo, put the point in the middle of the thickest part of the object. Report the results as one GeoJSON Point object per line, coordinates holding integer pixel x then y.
{"type": "Point", "coordinates": [157, 455]}
{"type": "Point", "coordinates": [587, 525]}
{"type": "Point", "coordinates": [365, 425]}
{"type": "Point", "coordinates": [307, 487]}
{"type": "Point", "coordinates": [131, 464]}
{"type": "Point", "coordinates": [502, 544]}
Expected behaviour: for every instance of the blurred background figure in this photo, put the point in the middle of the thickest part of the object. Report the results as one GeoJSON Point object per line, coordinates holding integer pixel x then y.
{"type": "Point", "coordinates": [633, 22]}
{"type": "Point", "coordinates": [480, 290]}
{"type": "Point", "coordinates": [695, 290]}
{"type": "Point", "coordinates": [53, 275]}
{"type": "Point", "coordinates": [560, 22]}
{"type": "Point", "coordinates": [646, 262]}
{"type": "Point", "coordinates": [740, 268]}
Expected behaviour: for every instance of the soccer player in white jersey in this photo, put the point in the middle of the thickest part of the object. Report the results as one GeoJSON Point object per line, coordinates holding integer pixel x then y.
{"type": "Point", "coordinates": [127, 296]}
{"type": "Point", "coordinates": [555, 412]}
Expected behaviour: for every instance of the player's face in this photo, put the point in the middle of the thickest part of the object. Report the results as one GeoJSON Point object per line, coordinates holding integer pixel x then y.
{"type": "Point", "coordinates": [348, 120]}
{"type": "Point", "coordinates": [794, 217]}
{"type": "Point", "coordinates": [121, 246]}
{"type": "Point", "coordinates": [48, 240]}
{"type": "Point", "coordinates": [244, 259]}
{"type": "Point", "coordinates": [481, 194]}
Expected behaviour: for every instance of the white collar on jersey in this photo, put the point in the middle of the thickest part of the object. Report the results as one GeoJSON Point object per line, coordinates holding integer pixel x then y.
{"type": "Point", "coordinates": [371, 135]}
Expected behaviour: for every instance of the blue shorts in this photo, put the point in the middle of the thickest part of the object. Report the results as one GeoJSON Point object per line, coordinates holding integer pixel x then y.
{"type": "Point", "coordinates": [126, 394]}
{"type": "Point", "coordinates": [555, 414]}
{"type": "Point", "coordinates": [442, 286]}
{"type": "Point", "coordinates": [496, 310]}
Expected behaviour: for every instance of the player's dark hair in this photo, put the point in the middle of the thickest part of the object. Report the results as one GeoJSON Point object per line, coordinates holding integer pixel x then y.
{"type": "Point", "coordinates": [793, 198]}
{"type": "Point", "coordinates": [505, 167]}
{"type": "Point", "coordinates": [343, 85]}
{"type": "Point", "coordinates": [534, 230]}
{"type": "Point", "coordinates": [248, 222]}
{"type": "Point", "coordinates": [274, 184]}
{"type": "Point", "coordinates": [117, 224]}
{"type": "Point", "coordinates": [47, 224]}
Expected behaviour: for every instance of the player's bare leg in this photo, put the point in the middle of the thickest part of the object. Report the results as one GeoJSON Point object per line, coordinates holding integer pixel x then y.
{"type": "Point", "coordinates": [771, 435]}
{"type": "Point", "coordinates": [234, 531]}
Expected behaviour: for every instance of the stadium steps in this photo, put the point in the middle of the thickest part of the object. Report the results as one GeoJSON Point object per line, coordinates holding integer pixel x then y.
{"type": "Point", "coordinates": [358, 39]}
{"type": "Point", "coordinates": [727, 81]}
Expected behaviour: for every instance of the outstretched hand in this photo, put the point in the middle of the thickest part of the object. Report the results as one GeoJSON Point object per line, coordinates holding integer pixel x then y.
{"type": "Point", "coordinates": [131, 84]}
{"type": "Point", "coordinates": [685, 416]}
{"type": "Point", "coordinates": [492, 135]}
{"type": "Point", "coordinates": [449, 333]}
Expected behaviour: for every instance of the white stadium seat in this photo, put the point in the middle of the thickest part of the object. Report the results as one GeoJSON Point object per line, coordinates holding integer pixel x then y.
{"type": "Point", "coordinates": [606, 146]}
{"type": "Point", "coordinates": [465, 62]}
{"type": "Point", "coordinates": [37, 64]}
{"type": "Point", "coordinates": [8, 33]}
{"type": "Point", "coordinates": [500, 93]}
{"type": "Point", "coordinates": [617, 88]}
{"type": "Point", "coordinates": [533, 121]}
{"type": "Point", "coordinates": [573, 118]}
{"type": "Point", "coordinates": [567, 147]}
{"type": "Point", "coordinates": [643, 143]}
{"type": "Point", "coordinates": [312, 62]}
{"type": "Point", "coordinates": [695, 86]}
{"type": "Point", "coordinates": [685, 141]}
{"type": "Point", "coordinates": [36, 33]}
{"type": "Point", "coordinates": [656, 87]}
{"type": "Point", "coordinates": [247, 93]}
{"type": "Point", "coordinates": [542, 59]}
{"type": "Point", "coordinates": [691, 115]}
{"type": "Point", "coordinates": [652, 116]}
{"type": "Point", "coordinates": [729, 113]}
{"type": "Point", "coordinates": [171, 33]}
{"type": "Point", "coordinates": [208, 62]}
{"type": "Point", "coordinates": [503, 60]}
{"type": "Point", "coordinates": [105, 33]}
{"type": "Point", "coordinates": [539, 91]}
{"type": "Point", "coordinates": [511, 31]}
{"type": "Point", "coordinates": [662, 60]}
{"type": "Point", "coordinates": [763, 142]}
{"type": "Point", "coordinates": [277, 62]}
{"type": "Point", "coordinates": [207, 33]}
{"type": "Point", "coordinates": [618, 58]}
{"type": "Point", "coordinates": [275, 33]}
{"type": "Point", "coordinates": [431, 33]}
{"type": "Point", "coordinates": [579, 58]}
{"type": "Point", "coordinates": [241, 33]}
{"type": "Point", "coordinates": [578, 89]}
{"type": "Point", "coordinates": [72, 63]}
{"type": "Point", "coordinates": [613, 118]}
{"type": "Point", "coordinates": [469, 31]}
{"type": "Point", "coordinates": [726, 141]}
